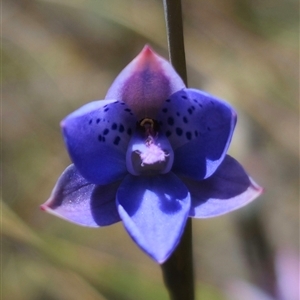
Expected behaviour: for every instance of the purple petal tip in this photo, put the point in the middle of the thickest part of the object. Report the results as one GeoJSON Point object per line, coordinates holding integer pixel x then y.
{"type": "Point", "coordinates": [43, 207]}
{"type": "Point", "coordinates": [146, 83]}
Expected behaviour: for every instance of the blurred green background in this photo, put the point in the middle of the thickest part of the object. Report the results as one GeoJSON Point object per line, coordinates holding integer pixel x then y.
{"type": "Point", "coordinates": [60, 54]}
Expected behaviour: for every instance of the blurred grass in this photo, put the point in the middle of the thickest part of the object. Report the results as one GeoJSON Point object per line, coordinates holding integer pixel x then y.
{"type": "Point", "coordinates": [58, 55]}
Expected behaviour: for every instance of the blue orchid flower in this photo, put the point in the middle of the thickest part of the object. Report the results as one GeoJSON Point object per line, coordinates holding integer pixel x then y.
{"type": "Point", "coordinates": [152, 154]}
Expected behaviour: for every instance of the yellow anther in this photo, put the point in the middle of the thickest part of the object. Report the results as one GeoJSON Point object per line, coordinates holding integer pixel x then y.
{"type": "Point", "coordinates": [147, 121]}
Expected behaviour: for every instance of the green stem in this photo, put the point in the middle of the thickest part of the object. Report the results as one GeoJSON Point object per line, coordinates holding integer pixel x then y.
{"type": "Point", "coordinates": [178, 269]}
{"type": "Point", "coordinates": [173, 16]}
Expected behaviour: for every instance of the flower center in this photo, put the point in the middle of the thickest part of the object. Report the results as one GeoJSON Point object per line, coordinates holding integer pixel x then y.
{"type": "Point", "coordinates": [149, 152]}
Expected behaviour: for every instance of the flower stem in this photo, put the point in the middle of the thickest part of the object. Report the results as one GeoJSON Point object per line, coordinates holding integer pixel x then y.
{"type": "Point", "coordinates": [178, 269]}
{"type": "Point", "coordinates": [173, 16]}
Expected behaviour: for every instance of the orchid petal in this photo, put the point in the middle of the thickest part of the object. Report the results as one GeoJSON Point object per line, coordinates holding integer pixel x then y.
{"type": "Point", "coordinates": [145, 84]}
{"type": "Point", "coordinates": [228, 189]}
{"type": "Point", "coordinates": [154, 210]}
{"type": "Point", "coordinates": [199, 127]}
{"type": "Point", "coordinates": [78, 201]}
{"type": "Point", "coordinates": [97, 136]}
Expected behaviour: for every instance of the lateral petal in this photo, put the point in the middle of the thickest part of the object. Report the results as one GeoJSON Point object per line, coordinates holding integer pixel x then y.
{"type": "Point", "coordinates": [228, 189]}
{"type": "Point", "coordinates": [97, 136]}
{"type": "Point", "coordinates": [76, 200]}
{"type": "Point", "coordinates": [199, 127]}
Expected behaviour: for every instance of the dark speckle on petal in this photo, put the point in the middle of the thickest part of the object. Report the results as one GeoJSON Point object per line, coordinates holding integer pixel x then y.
{"type": "Point", "coordinates": [168, 133]}
{"type": "Point", "coordinates": [196, 133]}
{"type": "Point", "coordinates": [190, 111]}
{"type": "Point", "coordinates": [121, 128]}
{"type": "Point", "coordinates": [178, 114]}
{"type": "Point", "coordinates": [208, 128]}
{"type": "Point", "coordinates": [117, 140]}
{"type": "Point", "coordinates": [114, 126]}
{"type": "Point", "coordinates": [127, 109]}
{"type": "Point", "coordinates": [106, 109]}
{"type": "Point", "coordinates": [105, 131]}
{"type": "Point", "coordinates": [185, 120]}
{"type": "Point", "coordinates": [165, 110]}
{"type": "Point", "coordinates": [90, 122]}
{"type": "Point", "coordinates": [179, 131]}
{"type": "Point", "coordinates": [129, 131]}
{"type": "Point", "coordinates": [170, 121]}
{"type": "Point", "coordinates": [188, 135]}
{"type": "Point", "coordinates": [184, 97]}
{"type": "Point", "coordinates": [98, 120]}
{"type": "Point", "coordinates": [168, 100]}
